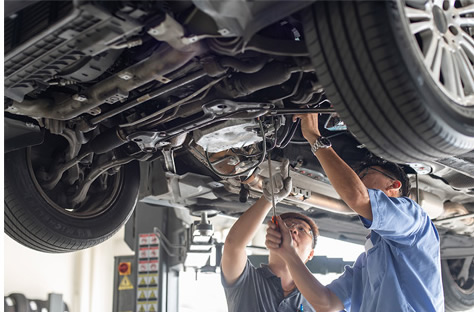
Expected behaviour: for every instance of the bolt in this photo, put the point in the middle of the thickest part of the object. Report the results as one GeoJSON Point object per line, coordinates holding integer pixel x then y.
{"type": "Point", "coordinates": [189, 40]}
{"type": "Point", "coordinates": [155, 31]}
{"type": "Point", "coordinates": [223, 31]}
{"type": "Point", "coordinates": [125, 76]}
{"type": "Point", "coordinates": [79, 97]}
{"type": "Point", "coordinates": [163, 79]}
{"type": "Point", "coordinates": [95, 111]}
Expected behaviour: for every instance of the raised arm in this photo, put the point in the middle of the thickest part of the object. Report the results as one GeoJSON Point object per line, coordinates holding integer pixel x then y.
{"type": "Point", "coordinates": [344, 180]}
{"type": "Point", "coordinates": [234, 257]}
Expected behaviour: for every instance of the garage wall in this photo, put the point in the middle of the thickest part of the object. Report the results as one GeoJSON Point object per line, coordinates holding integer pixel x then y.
{"type": "Point", "coordinates": [36, 274]}
{"type": "Point", "coordinates": [84, 278]}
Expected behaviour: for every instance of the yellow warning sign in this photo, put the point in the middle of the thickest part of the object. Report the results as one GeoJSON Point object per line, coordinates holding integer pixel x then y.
{"type": "Point", "coordinates": [125, 284]}
{"type": "Point", "coordinates": [153, 281]}
{"type": "Point", "coordinates": [152, 295]}
{"type": "Point", "coordinates": [142, 282]}
{"type": "Point", "coordinates": [141, 309]}
{"type": "Point", "coordinates": [142, 295]}
{"type": "Point", "coordinates": [152, 308]}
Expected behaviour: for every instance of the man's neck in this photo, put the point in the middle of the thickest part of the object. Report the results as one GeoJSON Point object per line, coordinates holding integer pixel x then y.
{"type": "Point", "coordinates": [280, 269]}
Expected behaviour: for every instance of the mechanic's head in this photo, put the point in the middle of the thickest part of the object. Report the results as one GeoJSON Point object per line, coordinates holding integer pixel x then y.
{"type": "Point", "coordinates": [304, 232]}
{"type": "Point", "coordinates": [293, 220]}
{"type": "Point", "coordinates": [383, 169]}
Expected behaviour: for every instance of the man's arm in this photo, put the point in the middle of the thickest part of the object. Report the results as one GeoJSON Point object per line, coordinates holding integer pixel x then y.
{"type": "Point", "coordinates": [319, 296]}
{"type": "Point", "coordinates": [234, 257]}
{"type": "Point", "coordinates": [344, 180]}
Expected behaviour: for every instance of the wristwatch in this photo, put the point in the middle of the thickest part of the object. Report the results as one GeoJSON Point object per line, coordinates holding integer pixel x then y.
{"type": "Point", "coordinates": [321, 142]}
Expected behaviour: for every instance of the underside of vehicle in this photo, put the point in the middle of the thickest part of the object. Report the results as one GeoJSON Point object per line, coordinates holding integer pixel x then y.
{"type": "Point", "coordinates": [181, 103]}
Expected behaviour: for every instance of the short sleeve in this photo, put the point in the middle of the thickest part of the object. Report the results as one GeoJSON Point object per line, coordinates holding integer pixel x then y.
{"type": "Point", "coordinates": [394, 218]}
{"type": "Point", "coordinates": [235, 292]}
{"type": "Point", "coordinates": [245, 274]}
{"type": "Point", "coordinates": [342, 286]}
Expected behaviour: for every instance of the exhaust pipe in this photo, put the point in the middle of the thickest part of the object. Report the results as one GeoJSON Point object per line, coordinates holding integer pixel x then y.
{"type": "Point", "coordinates": [316, 200]}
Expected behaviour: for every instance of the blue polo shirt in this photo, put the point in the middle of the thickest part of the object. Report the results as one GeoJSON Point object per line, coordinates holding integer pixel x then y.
{"type": "Point", "coordinates": [401, 268]}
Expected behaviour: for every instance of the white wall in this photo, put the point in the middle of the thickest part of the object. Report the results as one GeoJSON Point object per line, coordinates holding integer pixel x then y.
{"type": "Point", "coordinates": [36, 274]}
{"type": "Point", "coordinates": [84, 278]}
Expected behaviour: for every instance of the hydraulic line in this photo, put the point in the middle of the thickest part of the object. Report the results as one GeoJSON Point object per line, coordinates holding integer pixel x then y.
{"type": "Point", "coordinates": [286, 140]}
{"type": "Point", "coordinates": [148, 119]}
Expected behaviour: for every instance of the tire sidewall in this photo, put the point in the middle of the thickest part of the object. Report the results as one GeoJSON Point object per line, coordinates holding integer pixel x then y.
{"type": "Point", "coordinates": [21, 303]}
{"type": "Point", "coordinates": [357, 53]}
{"type": "Point", "coordinates": [452, 115]}
{"type": "Point", "coordinates": [37, 212]}
{"type": "Point", "coordinates": [454, 298]}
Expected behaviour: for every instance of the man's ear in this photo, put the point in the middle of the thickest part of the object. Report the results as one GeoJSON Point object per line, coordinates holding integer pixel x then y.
{"type": "Point", "coordinates": [394, 188]}
{"type": "Point", "coordinates": [396, 185]}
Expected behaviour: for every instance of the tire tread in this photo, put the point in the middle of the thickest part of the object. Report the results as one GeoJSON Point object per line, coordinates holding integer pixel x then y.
{"type": "Point", "coordinates": [356, 59]}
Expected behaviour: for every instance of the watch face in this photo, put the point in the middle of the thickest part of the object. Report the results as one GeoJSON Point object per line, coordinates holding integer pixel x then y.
{"type": "Point", "coordinates": [325, 142]}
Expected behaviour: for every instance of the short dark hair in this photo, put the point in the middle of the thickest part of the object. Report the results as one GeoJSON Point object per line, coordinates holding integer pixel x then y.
{"type": "Point", "coordinates": [306, 219]}
{"type": "Point", "coordinates": [396, 170]}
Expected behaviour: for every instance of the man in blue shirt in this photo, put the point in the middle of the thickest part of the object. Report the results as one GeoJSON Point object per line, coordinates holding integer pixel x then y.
{"type": "Point", "coordinates": [400, 270]}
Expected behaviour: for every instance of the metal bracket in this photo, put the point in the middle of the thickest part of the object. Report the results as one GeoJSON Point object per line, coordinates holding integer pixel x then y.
{"type": "Point", "coordinates": [301, 192]}
{"type": "Point", "coordinates": [169, 159]}
{"type": "Point", "coordinates": [456, 247]}
{"type": "Point", "coordinates": [147, 140]}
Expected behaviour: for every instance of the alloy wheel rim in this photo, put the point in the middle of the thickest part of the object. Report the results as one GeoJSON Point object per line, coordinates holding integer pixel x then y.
{"type": "Point", "coordinates": [444, 33]}
{"type": "Point", "coordinates": [100, 207]}
{"type": "Point", "coordinates": [461, 271]}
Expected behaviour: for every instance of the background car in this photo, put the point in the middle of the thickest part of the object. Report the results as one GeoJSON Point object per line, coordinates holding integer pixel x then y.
{"type": "Point", "coordinates": [108, 102]}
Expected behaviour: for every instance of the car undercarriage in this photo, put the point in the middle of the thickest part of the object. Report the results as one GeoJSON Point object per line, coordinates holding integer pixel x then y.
{"type": "Point", "coordinates": [180, 103]}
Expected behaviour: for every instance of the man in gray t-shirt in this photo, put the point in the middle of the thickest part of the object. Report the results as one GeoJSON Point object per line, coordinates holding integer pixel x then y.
{"type": "Point", "coordinates": [271, 287]}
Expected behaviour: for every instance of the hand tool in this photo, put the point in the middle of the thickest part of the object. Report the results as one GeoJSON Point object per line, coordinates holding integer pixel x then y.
{"type": "Point", "coordinates": [274, 220]}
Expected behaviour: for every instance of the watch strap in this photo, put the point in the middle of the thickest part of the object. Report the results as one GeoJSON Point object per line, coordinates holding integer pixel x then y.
{"type": "Point", "coordinates": [321, 142]}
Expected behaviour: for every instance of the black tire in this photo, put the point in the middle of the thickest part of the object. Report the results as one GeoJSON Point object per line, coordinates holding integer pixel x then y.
{"type": "Point", "coordinates": [33, 305]}
{"type": "Point", "coordinates": [457, 298]}
{"type": "Point", "coordinates": [21, 303]}
{"type": "Point", "coordinates": [33, 220]}
{"type": "Point", "coordinates": [43, 305]}
{"type": "Point", "coordinates": [374, 77]}
{"type": "Point", "coordinates": [8, 304]}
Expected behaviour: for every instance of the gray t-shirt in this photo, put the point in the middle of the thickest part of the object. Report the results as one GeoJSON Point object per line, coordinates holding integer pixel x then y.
{"type": "Point", "coordinates": [259, 290]}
